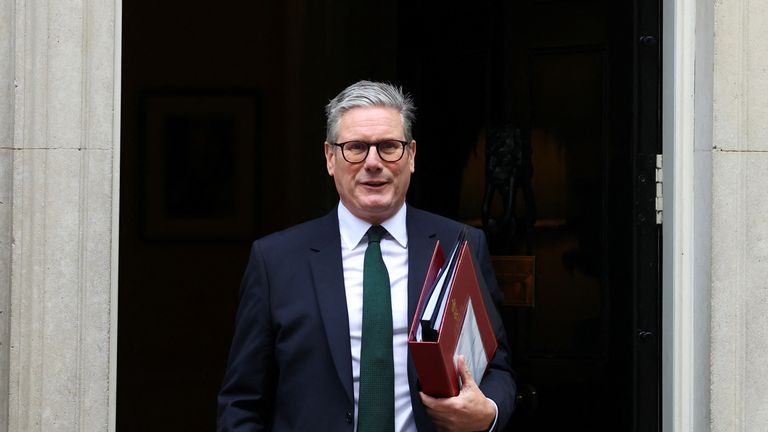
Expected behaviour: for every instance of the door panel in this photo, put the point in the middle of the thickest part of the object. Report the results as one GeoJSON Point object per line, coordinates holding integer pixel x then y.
{"type": "Point", "coordinates": [572, 76]}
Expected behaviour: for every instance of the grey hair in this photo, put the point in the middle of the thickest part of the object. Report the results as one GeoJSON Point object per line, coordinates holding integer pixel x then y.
{"type": "Point", "coordinates": [369, 93]}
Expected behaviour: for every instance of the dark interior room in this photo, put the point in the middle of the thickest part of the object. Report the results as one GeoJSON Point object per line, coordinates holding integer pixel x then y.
{"type": "Point", "coordinates": [222, 132]}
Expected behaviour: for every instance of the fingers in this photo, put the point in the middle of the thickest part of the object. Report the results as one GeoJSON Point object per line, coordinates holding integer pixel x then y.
{"type": "Point", "coordinates": [467, 411]}
{"type": "Point", "coordinates": [439, 410]}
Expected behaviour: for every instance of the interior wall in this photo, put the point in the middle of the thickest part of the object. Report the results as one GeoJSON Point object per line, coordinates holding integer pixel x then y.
{"type": "Point", "coordinates": [168, 363]}
{"type": "Point", "coordinates": [178, 289]}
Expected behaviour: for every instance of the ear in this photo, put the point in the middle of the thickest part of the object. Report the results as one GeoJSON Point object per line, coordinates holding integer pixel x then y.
{"type": "Point", "coordinates": [330, 160]}
{"type": "Point", "coordinates": [412, 158]}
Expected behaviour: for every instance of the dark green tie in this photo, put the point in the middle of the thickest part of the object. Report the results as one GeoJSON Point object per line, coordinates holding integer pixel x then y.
{"type": "Point", "coordinates": [376, 405]}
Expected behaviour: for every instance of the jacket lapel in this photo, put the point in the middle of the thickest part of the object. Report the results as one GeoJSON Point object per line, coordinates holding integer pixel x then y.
{"type": "Point", "coordinates": [328, 274]}
{"type": "Point", "coordinates": [421, 244]}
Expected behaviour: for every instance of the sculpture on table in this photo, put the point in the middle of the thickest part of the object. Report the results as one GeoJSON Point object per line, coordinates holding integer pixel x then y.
{"type": "Point", "coordinates": [508, 171]}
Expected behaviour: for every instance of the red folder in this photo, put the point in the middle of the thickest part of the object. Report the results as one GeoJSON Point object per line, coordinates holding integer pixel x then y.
{"type": "Point", "coordinates": [434, 361]}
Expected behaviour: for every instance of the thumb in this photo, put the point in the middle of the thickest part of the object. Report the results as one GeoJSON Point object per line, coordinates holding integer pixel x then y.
{"type": "Point", "coordinates": [466, 376]}
{"type": "Point", "coordinates": [427, 400]}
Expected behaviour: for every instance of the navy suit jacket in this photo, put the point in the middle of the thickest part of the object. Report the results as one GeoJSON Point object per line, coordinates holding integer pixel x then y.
{"type": "Point", "coordinates": [290, 366]}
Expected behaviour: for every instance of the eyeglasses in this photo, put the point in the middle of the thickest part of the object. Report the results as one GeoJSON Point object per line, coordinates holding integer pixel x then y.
{"type": "Point", "coordinates": [357, 151]}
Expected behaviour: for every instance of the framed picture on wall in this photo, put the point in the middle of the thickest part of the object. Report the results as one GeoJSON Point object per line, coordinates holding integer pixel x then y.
{"type": "Point", "coordinates": [199, 164]}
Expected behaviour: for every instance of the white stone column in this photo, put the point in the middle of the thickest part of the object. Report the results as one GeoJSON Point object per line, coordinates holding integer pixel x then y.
{"type": "Point", "coordinates": [739, 222]}
{"type": "Point", "coordinates": [59, 165]}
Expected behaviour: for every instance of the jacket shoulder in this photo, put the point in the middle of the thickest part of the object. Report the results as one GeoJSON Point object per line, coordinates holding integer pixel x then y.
{"type": "Point", "coordinates": [438, 222]}
{"type": "Point", "coordinates": [306, 234]}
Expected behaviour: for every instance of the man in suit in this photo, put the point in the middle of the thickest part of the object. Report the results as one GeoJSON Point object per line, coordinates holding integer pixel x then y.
{"type": "Point", "coordinates": [307, 354]}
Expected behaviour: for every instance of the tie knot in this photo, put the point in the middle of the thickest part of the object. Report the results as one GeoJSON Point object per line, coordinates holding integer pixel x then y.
{"type": "Point", "coordinates": [375, 233]}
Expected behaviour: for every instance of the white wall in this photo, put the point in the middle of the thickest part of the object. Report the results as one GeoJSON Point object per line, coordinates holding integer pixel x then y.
{"type": "Point", "coordinates": [59, 123]}
{"type": "Point", "coordinates": [739, 223]}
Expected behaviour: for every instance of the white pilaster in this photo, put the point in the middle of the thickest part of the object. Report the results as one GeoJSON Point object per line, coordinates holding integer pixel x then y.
{"type": "Point", "coordinates": [687, 136]}
{"type": "Point", "coordinates": [59, 164]}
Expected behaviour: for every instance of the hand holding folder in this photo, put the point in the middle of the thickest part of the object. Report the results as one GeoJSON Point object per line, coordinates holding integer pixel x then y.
{"type": "Point", "coordinates": [451, 320]}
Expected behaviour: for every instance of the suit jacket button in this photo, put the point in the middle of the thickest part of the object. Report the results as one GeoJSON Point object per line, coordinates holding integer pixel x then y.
{"type": "Point", "coordinates": [349, 417]}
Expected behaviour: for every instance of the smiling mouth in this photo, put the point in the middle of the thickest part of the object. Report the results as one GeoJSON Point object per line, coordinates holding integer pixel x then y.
{"type": "Point", "coordinates": [374, 183]}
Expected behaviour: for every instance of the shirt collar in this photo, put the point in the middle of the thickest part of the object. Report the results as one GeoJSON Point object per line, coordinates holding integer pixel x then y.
{"type": "Point", "coordinates": [353, 229]}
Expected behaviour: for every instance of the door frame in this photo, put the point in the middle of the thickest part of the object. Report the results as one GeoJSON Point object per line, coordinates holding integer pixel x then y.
{"type": "Point", "coordinates": [687, 76]}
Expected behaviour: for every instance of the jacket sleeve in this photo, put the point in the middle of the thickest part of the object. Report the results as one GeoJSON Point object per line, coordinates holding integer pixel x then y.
{"type": "Point", "coordinates": [246, 397]}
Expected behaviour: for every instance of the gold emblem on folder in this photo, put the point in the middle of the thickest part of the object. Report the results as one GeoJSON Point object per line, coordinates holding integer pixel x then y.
{"type": "Point", "coordinates": [454, 309]}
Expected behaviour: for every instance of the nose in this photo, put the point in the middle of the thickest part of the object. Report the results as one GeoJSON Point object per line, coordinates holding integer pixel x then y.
{"type": "Point", "coordinates": [372, 160]}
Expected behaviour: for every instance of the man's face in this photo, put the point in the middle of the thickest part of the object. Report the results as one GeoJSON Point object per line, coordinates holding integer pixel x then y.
{"type": "Point", "coordinates": [373, 189]}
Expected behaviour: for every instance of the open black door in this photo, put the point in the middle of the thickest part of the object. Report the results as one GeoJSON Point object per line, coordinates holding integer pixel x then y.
{"type": "Point", "coordinates": [577, 84]}
{"type": "Point", "coordinates": [647, 242]}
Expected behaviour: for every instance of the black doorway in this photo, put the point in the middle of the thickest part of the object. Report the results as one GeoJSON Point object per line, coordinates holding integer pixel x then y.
{"type": "Point", "coordinates": [570, 76]}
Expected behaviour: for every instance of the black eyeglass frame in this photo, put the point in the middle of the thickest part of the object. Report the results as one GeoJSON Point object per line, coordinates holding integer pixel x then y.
{"type": "Point", "coordinates": [368, 149]}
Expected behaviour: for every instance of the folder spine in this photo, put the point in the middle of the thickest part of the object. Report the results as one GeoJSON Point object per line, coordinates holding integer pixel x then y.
{"type": "Point", "coordinates": [442, 381]}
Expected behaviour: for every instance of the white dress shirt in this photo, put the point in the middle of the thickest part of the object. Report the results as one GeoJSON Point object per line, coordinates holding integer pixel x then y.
{"type": "Point", "coordinates": [394, 250]}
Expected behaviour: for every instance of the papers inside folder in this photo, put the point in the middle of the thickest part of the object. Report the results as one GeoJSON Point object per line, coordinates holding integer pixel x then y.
{"type": "Point", "coordinates": [432, 314]}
